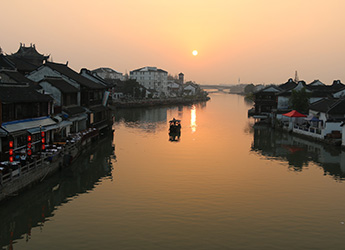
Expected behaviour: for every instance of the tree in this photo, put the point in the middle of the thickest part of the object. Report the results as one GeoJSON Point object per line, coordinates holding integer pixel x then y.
{"type": "Point", "coordinates": [300, 100]}
{"type": "Point", "coordinates": [249, 88]}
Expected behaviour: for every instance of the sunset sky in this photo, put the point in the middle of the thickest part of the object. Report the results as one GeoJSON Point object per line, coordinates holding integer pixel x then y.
{"type": "Point", "coordinates": [258, 41]}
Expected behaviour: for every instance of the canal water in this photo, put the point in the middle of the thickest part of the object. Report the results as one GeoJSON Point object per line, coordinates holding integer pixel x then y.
{"type": "Point", "coordinates": [223, 184]}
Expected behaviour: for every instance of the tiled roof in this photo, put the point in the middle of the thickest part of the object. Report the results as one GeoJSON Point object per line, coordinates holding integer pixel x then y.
{"type": "Point", "coordinates": [337, 108]}
{"type": "Point", "coordinates": [149, 69]}
{"type": "Point", "coordinates": [60, 84]}
{"type": "Point", "coordinates": [290, 84]}
{"type": "Point", "coordinates": [5, 63]}
{"type": "Point", "coordinates": [323, 105]}
{"type": "Point", "coordinates": [65, 70]}
{"type": "Point", "coordinates": [29, 52]}
{"type": "Point", "coordinates": [16, 76]}
{"type": "Point", "coordinates": [20, 94]}
{"type": "Point", "coordinates": [21, 64]}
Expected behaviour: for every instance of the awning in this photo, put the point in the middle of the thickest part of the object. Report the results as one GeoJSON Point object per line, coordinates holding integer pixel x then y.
{"type": "Point", "coordinates": [28, 124]}
{"type": "Point", "coordinates": [312, 118]}
{"type": "Point", "coordinates": [294, 113]}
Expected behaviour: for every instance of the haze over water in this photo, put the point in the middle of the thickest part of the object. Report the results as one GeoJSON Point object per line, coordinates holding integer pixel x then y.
{"type": "Point", "coordinates": [223, 185]}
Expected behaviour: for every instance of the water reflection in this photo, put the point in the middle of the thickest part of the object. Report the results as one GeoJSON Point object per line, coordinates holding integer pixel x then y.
{"type": "Point", "coordinates": [148, 119]}
{"type": "Point", "coordinates": [193, 118]}
{"type": "Point", "coordinates": [34, 207]}
{"type": "Point", "coordinates": [298, 152]}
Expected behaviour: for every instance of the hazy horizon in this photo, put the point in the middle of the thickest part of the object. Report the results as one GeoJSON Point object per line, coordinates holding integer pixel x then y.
{"type": "Point", "coordinates": [258, 42]}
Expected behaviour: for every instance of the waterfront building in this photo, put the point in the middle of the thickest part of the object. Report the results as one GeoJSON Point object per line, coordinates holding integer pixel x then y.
{"type": "Point", "coordinates": [324, 120]}
{"type": "Point", "coordinates": [190, 89]}
{"type": "Point", "coordinates": [110, 85]}
{"type": "Point", "coordinates": [174, 89]}
{"type": "Point", "coordinates": [153, 79]}
{"type": "Point", "coordinates": [23, 112]}
{"type": "Point", "coordinates": [91, 94]}
{"type": "Point", "coordinates": [66, 105]}
{"type": "Point", "coordinates": [265, 100]}
{"type": "Point", "coordinates": [276, 98]}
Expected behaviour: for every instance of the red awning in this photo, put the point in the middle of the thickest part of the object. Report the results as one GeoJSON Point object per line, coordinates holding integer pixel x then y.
{"type": "Point", "coordinates": [294, 113]}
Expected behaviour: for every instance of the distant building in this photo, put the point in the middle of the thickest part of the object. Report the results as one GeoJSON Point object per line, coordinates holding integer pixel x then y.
{"type": "Point", "coordinates": [108, 73]}
{"type": "Point", "coordinates": [181, 78]}
{"type": "Point", "coordinates": [152, 78]}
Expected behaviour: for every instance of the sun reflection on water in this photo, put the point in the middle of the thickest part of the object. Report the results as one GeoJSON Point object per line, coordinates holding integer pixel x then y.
{"type": "Point", "coordinates": [193, 119]}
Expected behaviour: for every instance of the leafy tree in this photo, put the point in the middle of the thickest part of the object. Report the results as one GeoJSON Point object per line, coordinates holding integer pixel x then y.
{"type": "Point", "coordinates": [300, 100]}
{"type": "Point", "coordinates": [133, 88]}
{"type": "Point", "coordinates": [249, 88]}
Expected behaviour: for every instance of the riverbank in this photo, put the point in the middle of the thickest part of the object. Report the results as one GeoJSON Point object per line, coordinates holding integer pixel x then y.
{"type": "Point", "coordinates": [158, 102]}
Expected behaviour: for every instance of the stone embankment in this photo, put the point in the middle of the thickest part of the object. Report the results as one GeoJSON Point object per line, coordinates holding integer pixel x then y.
{"type": "Point", "coordinates": [158, 102]}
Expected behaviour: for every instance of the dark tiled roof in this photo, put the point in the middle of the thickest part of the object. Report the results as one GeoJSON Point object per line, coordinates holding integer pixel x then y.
{"type": "Point", "coordinates": [5, 63]}
{"type": "Point", "coordinates": [326, 88]}
{"type": "Point", "coordinates": [75, 110]}
{"type": "Point", "coordinates": [20, 94]}
{"type": "Point", "coordinates": [83, 81]}
{"type": "Point", "coordinates": [290, 84]}
{"type": "Point", "coordinates": [315, 81]}
{"type": "Point", "coordinates": [94, 76]}
{"type": "Point", "coordinates": [60, 84]}
{"type": "Point", "coordinates": [337, 108]}
{"type": "Point", "coordinates": [29, 52]}
{"type": "Point", "coordinates": [322, 105]}
{"type": "Point", "coordinates": [16, 76]}
{"type": "Point", "coordinates": [22, 64]}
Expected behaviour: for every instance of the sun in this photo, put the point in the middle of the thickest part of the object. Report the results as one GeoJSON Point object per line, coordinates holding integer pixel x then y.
{"type": "Point", "coordinates": [195, 52]}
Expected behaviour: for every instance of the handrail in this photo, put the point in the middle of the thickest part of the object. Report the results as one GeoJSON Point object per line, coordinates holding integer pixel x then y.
{"type": "Point", "coordinates": [30, 166]}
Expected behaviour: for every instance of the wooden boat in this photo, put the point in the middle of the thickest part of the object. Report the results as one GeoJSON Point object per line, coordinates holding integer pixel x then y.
{"type": "Point", "coordinates": [175, 126]}
{"type": "Point", "coordinates": [174, 130]}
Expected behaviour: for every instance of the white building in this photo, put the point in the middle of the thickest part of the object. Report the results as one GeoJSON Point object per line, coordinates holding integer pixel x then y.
{"type": "Point", "coordinates": [152, 79]}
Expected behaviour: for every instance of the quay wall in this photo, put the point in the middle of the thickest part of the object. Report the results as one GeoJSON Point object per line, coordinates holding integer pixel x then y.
{"type": "Point", "coordinates": [158, 102]}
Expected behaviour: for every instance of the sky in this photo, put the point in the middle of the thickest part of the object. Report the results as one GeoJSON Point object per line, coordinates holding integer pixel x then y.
{"type": "Point", "coordinates": [246, 41]}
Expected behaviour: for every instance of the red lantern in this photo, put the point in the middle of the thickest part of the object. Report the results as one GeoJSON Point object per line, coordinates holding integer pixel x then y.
{"type": "Point", "coordinates": [10, 151]}
{"type": "Point", "coordinates": [43, 140]}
